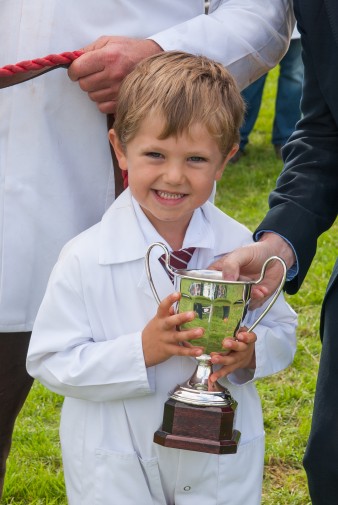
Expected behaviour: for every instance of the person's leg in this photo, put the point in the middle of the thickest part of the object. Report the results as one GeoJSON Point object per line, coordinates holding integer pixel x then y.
{"type": "Point", "coordinates": [252, 96]}
{"type": "Point", "coordinates": [15, 384]}
{"type": "Point", "coordinates": [289, 91]}
{"type": "Point", "coordinates": [321, 456]}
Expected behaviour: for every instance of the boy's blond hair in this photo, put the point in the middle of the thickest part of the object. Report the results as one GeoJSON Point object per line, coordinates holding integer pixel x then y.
{"type": "Point", "coordinates": [183, 89]}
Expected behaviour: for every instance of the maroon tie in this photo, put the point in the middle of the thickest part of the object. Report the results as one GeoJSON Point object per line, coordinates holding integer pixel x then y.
{"type": "Point", "coordinates": [178, 260]}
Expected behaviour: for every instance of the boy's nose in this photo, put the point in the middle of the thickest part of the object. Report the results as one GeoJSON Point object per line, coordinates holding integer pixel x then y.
{"type": "Point", "coordinates": [174, 174]}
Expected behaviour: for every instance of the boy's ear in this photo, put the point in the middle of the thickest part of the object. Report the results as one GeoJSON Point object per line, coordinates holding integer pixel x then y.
{"type": "Point", "coordinates": [118, 148]}
{"type": "Point", "coordinates": [232, 153]}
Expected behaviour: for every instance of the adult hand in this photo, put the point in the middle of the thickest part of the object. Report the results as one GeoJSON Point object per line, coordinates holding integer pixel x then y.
{"type": "Point", "coordinates": [246, 263]}
{"type": "Point", "coordinates": [105, 64]}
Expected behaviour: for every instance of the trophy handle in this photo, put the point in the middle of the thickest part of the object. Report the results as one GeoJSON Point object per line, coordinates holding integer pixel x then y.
{"type": "Point", "coordinates": [276, 293]}
{"type": "Point", "coordinates": [167, 265]}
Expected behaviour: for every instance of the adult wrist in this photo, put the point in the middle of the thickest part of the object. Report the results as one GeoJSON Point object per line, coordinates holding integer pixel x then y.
{"type": "Point", "coordinates": [281, 247]}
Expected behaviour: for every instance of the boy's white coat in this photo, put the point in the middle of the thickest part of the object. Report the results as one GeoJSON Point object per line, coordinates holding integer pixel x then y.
{"type": "Point", "coordinates": [86, 345]}
{"type": "Point", "coordinates": [56, 176]}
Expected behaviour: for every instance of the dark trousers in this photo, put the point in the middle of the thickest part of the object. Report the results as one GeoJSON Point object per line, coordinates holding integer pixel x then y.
{"type": "Point", "coordinates": [321, 457]}
{"type": "Point", "coordinates": [15, 384]}
{"type": "Point", "coordinates": [287, 106]}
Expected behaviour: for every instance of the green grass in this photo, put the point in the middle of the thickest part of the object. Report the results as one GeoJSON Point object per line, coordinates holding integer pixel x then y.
{"type": "Point", "coordinates": [34, 474]}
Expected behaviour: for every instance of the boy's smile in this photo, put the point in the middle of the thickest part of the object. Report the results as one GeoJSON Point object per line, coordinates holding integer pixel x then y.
{"type": "Point", "coordinates": [170, 177]}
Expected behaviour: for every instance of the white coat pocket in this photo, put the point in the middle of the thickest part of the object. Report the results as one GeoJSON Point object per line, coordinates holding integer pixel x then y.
{"type": "Point", "coordinates": [125, 478]}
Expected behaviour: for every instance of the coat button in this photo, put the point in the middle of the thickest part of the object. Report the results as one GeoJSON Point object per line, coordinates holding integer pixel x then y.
{"type": "Point", "coordinates": [187, 488]}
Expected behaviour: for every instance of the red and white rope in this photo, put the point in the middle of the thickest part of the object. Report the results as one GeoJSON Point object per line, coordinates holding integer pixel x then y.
{"type": "Point", "coordinates": [39, 63]}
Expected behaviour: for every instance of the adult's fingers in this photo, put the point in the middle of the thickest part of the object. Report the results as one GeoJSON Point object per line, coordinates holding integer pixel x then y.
{"type": "Point", "coordinates": [87, 64]}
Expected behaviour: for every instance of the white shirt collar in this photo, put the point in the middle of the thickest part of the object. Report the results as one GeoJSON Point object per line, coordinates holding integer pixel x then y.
{"type": "Point", "coordinates": [198, 233]}
{"type": "Point", "coordinates": [126, 232]}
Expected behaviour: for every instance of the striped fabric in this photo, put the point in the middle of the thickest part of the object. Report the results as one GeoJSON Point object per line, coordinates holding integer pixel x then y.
{"type": "Point", "coordinates": [178, 260]}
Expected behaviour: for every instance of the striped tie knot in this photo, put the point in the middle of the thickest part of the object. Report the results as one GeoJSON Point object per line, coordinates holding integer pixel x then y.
{"type": "Point", "coordinates": [178, 260]}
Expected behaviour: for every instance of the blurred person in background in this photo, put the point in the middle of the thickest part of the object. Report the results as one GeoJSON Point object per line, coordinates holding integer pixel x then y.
{"type": "Point", "coordinates": [287, 104]}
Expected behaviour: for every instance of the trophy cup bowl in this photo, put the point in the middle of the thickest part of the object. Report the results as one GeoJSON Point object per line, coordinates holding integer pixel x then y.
{"type": "Point", "coordinates": [199, 415]}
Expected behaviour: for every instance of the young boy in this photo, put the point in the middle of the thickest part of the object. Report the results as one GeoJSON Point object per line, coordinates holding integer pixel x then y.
{"type": "Point", "coordinates": [100, 339]}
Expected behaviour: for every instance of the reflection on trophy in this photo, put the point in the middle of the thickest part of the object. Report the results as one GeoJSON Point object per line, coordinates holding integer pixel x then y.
{"type": "Point", "coordinates": [199, 415]}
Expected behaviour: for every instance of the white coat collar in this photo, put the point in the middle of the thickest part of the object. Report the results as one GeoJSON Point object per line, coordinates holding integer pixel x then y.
{"type": "Point", "coordinates": [119, 225]}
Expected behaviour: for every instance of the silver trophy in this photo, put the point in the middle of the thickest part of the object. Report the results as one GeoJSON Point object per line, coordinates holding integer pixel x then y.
{"type": "Point", "coordinates": [220, 307]}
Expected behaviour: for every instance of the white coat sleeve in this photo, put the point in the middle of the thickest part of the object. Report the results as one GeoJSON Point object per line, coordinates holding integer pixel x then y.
{"type": "Point", "coordinates": [249, 36]}
{"type": "Point", "coordinates": [68, 359]}
{"type": "Point", "coordinates": [276, 342]}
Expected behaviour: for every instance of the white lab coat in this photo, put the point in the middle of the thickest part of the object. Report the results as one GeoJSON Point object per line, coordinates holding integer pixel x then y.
{"type": "Point", "coordinates": [86, 345]}
{"type": "Point", "coordinates": [56, 176]}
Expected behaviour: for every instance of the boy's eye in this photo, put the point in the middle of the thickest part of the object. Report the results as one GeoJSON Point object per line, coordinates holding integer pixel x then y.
{"type": "Point", "coordinates": [153, 154]}
{"type": "Point", "coordinates": [196, 159]}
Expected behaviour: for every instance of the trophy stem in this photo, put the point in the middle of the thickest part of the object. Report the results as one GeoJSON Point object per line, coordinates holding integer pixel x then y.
{"type": "Point", "coordinates": [198, 390]}
{"type": "Point", "coordinates": [200, 378]}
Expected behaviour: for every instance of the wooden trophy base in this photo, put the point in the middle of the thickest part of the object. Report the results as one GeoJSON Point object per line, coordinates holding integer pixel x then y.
{"type": "Point", "coordinates": [202, 429]}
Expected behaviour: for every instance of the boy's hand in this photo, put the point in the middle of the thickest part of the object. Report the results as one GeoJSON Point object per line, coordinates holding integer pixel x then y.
{"type": "Point", "coordinates": [161, 339]}
{"type": "Point", "coordinates": [240, 354]}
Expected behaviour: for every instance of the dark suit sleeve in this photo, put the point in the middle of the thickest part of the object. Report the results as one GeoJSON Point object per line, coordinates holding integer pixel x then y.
{"type": "Point", "coordinates": [305, 201]}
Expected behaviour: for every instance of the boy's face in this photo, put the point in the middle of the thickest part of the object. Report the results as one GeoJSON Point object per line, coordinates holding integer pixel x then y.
{"type": "Point", "coordinates": [171, 177]}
